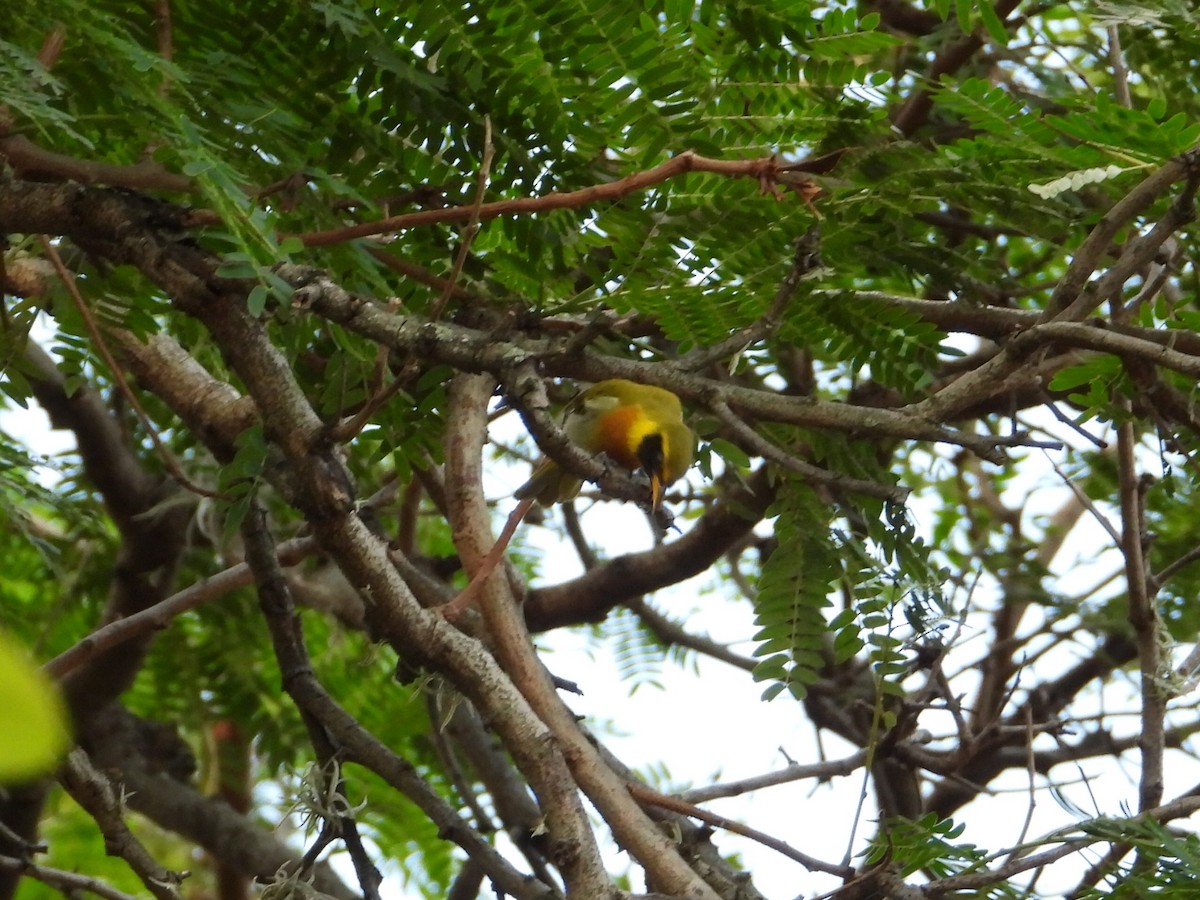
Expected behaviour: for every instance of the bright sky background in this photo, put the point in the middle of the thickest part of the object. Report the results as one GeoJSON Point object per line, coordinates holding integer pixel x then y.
{"type": "Point", "coordinates": [706, 723]}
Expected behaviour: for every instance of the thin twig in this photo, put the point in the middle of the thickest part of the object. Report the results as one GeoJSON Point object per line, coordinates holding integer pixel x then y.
{"type": "Point", "coordinates": [764, 448]}
{"type": "Point", "coordinates": [417, 273]}
{"type": "Point", "coordinates": [93, 329]}
{"type": "Point", "coordinates": [822, 771]}
{"type": "Point", "coordinates": [1168, 571]}
{"type": "Point", "coordinates": [1142, 616]}
{"type": "Point", "coordinates": [1120, 75]}
{"type": "Point", "coordinates": [574, 528]}
{"type": "Point", "coordinates": [472, 227]}
{"type": "Point", "coordinates": [648, 797]}
{"type": "Point", "coordinates": [160, 615]}
{"type": "Point", "coordinates": [448, 757]}
{"type": "Point", "coordinates": [66, 882]}
{"type": "Point", "coordinates": [349, 429]}
{"type": "Point", "coordinates": [1091, 507]}
{"type": "Point", "coordinates": [766, 170]}
{"type": "Point", "coordinates": [806, 259]}
{"type": "Point", "coordinates": [489, 562]}
{"type": "Point", "coordinates": [671, 633]}
{"type": "Point", "coordinates": [1031, 774]}
{"type": "Point", "coordinates": [1098, 442]}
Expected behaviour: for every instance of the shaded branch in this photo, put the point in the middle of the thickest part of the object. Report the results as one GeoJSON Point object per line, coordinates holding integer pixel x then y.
{"type": "Point", "coordinates": [105, 805]}
{"type": "Point", "coordinates": [589, 597]}
{"type": "Point", "coordinates": [914, 113]}
{"type": "Point", "coordinates": [67, 882]}
{"type": "Point", "coordinates": [114, 740]}
{"type": "Point", "coordinates": [30, 160]}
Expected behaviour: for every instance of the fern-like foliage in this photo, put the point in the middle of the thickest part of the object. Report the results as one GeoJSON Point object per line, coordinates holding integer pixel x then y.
{"type": "Point", "coordinates": [931, 845]}
{"type": "Point", "coordinates": [890, 587]}
{"type": "Point", "coordinates": [1167, 863]}
{"type": "Point", "coordinates": [878, 340]}
{"type": "Point", "coordinates": [793, 591]}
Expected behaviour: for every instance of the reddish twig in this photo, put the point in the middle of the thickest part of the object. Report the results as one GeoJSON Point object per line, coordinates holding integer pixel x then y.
{"type": "Point", "coordinates": [166, 39]}
{"type": "Point", "coordinates": [489, 562]}
{"type": "Point", "coordinates": [766, 170]}
{"type": "Point", "coordinates": [52, 46]}
{"type": "Point", "coordinates": [417, 273]}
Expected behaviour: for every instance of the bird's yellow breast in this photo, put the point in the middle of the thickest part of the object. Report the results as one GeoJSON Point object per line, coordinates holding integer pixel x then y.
{"type": "Point", "coordinates": [638, 426]}
{"type": "Point", "coordinates": [620, 433]}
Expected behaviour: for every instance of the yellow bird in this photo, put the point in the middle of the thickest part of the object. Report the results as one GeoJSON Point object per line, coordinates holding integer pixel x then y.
{"type": "Point", "coordinates": [635, 425]}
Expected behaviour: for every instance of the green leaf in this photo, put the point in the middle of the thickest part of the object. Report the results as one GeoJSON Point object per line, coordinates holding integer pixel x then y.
{"type": "Point", "coordinates": [256, 300]}
{"type": "Point", "coordinates": [991, 22]}
{"type": "Point", "coordinates": [962, 11]}
{"type": "Point", "coordinates": [32, 717]}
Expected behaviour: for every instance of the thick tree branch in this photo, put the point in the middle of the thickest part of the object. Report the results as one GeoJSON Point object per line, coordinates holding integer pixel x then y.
{"type": "Point", "coordinates": [474, 350]}
{"type": "Point", "coordinates": [210, 408]}
{"type": "Point", "coordinates": [589, 597]}
{"type": "Point", "coordinates": [470, 522]}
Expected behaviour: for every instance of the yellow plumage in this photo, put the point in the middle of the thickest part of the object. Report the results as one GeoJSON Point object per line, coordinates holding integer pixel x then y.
{"type": "Point", "coordinates": [635, 425]}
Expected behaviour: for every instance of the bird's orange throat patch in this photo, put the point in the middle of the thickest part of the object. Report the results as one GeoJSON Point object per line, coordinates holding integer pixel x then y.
{"type": "Point", "coordinates": [621, 433]}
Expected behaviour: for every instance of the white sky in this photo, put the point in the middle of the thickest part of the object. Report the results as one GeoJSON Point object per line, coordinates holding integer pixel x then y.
{"type": "Point", "coordinates": [712, 726]}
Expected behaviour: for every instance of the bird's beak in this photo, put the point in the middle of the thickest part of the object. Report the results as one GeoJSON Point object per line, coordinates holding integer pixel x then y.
{"type": "Point", "coordinates": [651, 455]}
{"type": "Point", "coordinates": [656, 491]}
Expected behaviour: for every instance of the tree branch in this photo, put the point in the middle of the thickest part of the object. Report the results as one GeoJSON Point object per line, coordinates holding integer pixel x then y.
{"type": "Point", "coordinates": [470, 522]}
{"type": "Point", "coordinates": [766, 170]}
{"type": "Point", "coordinates": [328, 718]}
{"type": "Point", "coordinates": [96, 795]}
{"type": "Point", "coordinates": [589, 597]}
{"type": "Point", "coordinates": [66, 882]}
{"type": "Point", "coordinates": [114, 739]}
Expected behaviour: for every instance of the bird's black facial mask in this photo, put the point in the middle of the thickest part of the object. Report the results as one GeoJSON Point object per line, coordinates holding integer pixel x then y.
{"type": "Point", "coordinates": [652, 455]}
